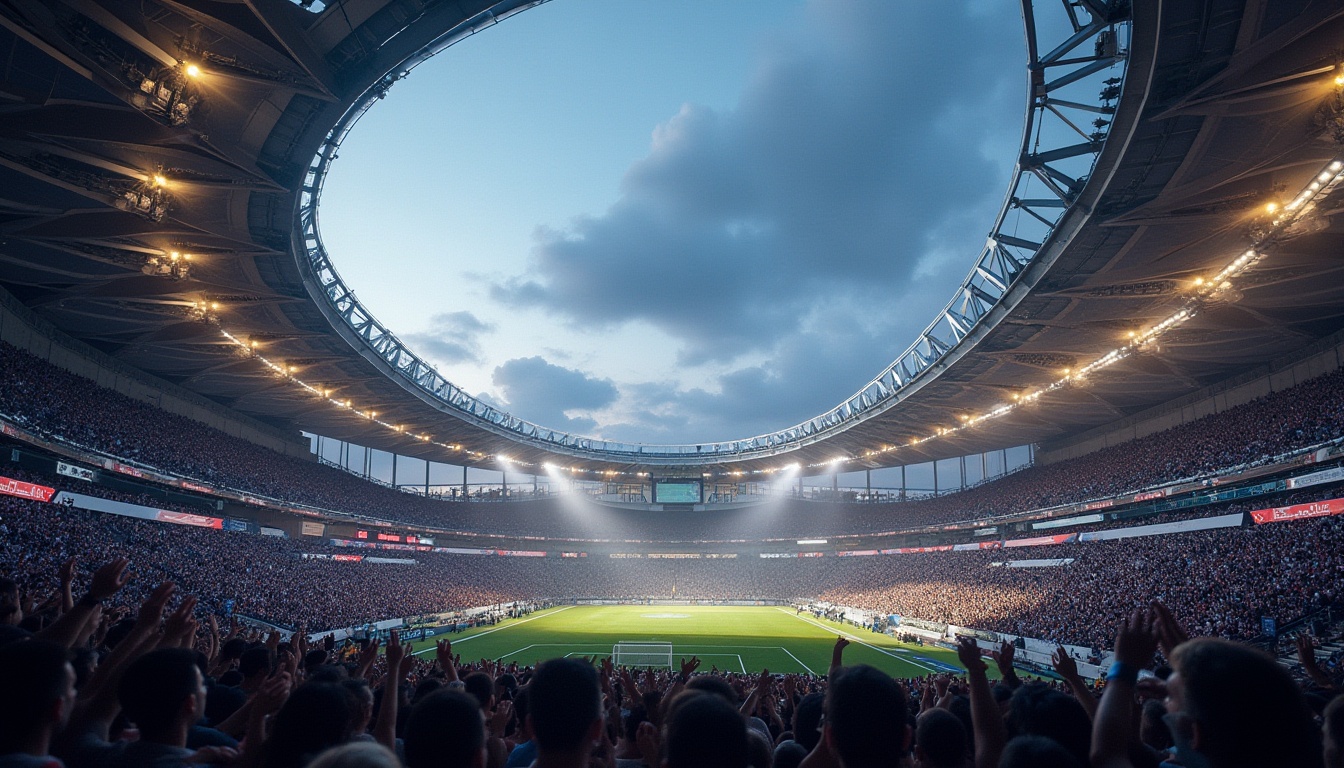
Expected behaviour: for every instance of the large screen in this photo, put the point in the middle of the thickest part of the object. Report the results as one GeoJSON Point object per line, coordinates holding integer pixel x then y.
{"type": "Point", "coordinates": [676, 492]}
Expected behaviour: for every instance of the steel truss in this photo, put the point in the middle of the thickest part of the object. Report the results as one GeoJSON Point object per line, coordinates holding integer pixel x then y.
{"type": "Point", "coordinates": [1076, 62]}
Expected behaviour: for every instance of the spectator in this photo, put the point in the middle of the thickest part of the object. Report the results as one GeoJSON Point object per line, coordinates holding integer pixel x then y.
{"type": "Point", "coordinates": [866, 719]}
{"type": "Point", "coordinates": [566, 713]}
{"type": "Point", "coordinates": [37, 693]}
{"type": "Point", "coordinates": [446, 730]}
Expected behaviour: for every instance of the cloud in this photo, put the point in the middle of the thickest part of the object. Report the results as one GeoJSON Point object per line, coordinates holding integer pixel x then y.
{"type": "Point", "coordinates": [852, 170]}
{"type": "Point", "coordinates": [547, 394]}
{"type": "Point", "coordinates": [453, 338]}
{"type": "Point", "coordinates": [807, 373]}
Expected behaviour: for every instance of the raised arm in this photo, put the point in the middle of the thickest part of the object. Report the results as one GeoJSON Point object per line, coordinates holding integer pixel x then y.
{"type": "Point", "coordinates": [1135, 643]}
{"type": "Point", "coordinates": [67, 585]}
{"type": "Point", "coordinates": [986, 720]}
{"type": "Point", "coordinates": [443, 651]}
{"type": "Point", "coordinates": [107, 581]}
{"type": "Point", "coordinates": [1067, 668]}
{"type": "Point", "coordinates": [1306, 656]}
{"type": "Point", "coordinates": [837, 657]}
{"type": "Point", "coordinates": [385, 730]}
{"type": "Point", "coordinates": [1004, 661]}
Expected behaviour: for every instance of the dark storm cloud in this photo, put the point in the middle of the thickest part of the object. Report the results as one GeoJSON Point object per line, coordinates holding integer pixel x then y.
{"type": "Point", "coordinates": [841, 179]}
{"type": "Point", "coordinates": [551, 391]}
{"type": "Point", "coordinates": [453, 338]}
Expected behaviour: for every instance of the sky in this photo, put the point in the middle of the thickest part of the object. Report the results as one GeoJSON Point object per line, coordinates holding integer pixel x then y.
{"type": "Point", "coordinates": [681, 222]}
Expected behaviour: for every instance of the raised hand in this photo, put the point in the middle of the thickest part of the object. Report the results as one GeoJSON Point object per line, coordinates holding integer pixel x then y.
{"type": "Point", "coordinates": [968, 653]}
{"type": "Point", "coordinates": [67, 572]}
{"type": "Point", "coordinates": [646, 738]}
{"type": "Point", "coordinates": [180, 627]}
{"type": "Point", "coordinates": [1064, 663]}
{"type": "Point", "coordinates": [1169, 631]}
{"type": "Point", "coordinates": [1136, 640]}
{"type": "Point", "coordinates": [763, 682]}
{"type": "Point", "coordinates": [109, 579]}
{"type": "Point", "coordinates": [272, 694]}
{"type": "Point", "coordinates": [687, 667]}
{"type": "Point", "coordinates": [151, 611]}
{"type": "Point", "coordinates": [1306, 650]}
{"type": "Point", "coordinates": [499, 719]}
{"type": "Point", "coordinates": [395, 652]}
{"type": "Point", "coordinates": [940, 685]}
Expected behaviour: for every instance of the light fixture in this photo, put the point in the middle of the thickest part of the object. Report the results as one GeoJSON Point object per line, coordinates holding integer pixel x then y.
{"type": "Point", "coordinates": [192, 70]}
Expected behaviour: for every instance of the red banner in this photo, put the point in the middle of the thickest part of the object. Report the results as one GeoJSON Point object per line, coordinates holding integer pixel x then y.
{"type": "Point", "coordinates": [1039, 541]}
{"type": "Point", "coordinates": [10, 487]}
{"type": "Point", "coordinates": [1149, 495]}
{"type": "Point", "coordinates": [126, 469]}
{"type": "Point", "coordinates": [348, 558]}
{"type": "Point", "coordinates": [1099, 504]}
{"type": "Point", "coordinates": [185, 518]}
{"type": "Point", "coordinates": [920, 550]}
{"type": "Point", "coordinates": [1299, 511]}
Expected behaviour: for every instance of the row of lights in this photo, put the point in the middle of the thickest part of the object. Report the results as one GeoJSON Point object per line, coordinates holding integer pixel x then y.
{"type": "Point", "coordinates": [1202, 289]}
{"type": "Point", "coordinates": [1321, 185]}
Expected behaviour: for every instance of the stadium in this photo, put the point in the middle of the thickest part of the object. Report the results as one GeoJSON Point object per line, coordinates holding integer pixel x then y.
{"type": "Point", "coordinates": [243, 521]}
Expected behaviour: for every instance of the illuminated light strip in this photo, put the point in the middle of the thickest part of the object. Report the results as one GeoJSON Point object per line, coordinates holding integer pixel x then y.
{"type": "Point", "coordinates": [1321, 185]}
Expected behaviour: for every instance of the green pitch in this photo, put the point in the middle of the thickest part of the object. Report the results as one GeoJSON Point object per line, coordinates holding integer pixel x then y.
{"type": "Point", "coordinates": [736, 639]}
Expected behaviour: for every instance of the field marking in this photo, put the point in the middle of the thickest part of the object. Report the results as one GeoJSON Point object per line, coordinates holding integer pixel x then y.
{"type": "Point", "coordinates": [795, 658]}
{"type": "Point", "coordinates": [856, 639]}
{"type": "Point", "coordinates": [740, 662]}
{"type": "Point", "coordinates": [737, 656]}
{"type": "Point", "coordinates": [496, 629]}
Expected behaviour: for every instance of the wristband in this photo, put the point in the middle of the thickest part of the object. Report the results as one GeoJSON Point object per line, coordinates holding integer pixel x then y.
{"type": "Point", "coordinates": [1123, 672]}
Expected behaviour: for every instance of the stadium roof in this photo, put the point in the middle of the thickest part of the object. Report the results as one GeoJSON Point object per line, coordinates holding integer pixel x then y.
{"type": "Point", "coordinates": [161, 163]}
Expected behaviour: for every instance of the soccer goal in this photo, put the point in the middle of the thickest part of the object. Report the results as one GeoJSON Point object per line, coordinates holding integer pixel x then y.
{"type": "Point", "coordinates": [642, 655]}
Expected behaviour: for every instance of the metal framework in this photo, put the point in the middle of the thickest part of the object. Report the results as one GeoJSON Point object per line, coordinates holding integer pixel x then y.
{"type": "Point", "coordinates": [1076, 63]}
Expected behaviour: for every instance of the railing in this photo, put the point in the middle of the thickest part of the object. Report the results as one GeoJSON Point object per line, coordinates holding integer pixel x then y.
{"type": "Point", "coordinates": [1070, 50]}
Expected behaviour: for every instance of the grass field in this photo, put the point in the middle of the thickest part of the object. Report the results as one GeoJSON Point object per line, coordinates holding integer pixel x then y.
{"type": "Point", "coordinates": [738, 639]}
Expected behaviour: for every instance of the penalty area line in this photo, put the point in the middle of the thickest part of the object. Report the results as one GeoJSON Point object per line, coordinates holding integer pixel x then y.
{"type": "Point", "coordinates": [856, 639]}
{"type": "Point", "coordinates": [795, 658]}
{"type": "Point", "coordinates": [497, 629]}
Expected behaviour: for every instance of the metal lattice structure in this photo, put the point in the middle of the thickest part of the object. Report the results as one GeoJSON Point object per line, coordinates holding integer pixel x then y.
{"type": "Point", "coordinates": [1076, 63]}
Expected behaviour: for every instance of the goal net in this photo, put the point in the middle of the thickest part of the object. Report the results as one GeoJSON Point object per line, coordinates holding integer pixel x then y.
{"type": "Point", "coordinates": [642, 655]}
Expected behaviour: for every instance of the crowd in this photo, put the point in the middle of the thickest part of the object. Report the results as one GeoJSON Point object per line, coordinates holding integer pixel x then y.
{"type": "Point", "coordinates": [56, 402]}
{"type": "Point", "coordinates": [155, 687]}
{"type": "Point", "coordinates": [1229, 578]}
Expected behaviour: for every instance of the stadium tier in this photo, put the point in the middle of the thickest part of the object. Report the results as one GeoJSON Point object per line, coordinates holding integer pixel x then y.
{"type": "Point", "coordinates": [75, 410]}
{"type": "Point", "coordinates": [1226, 580]}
